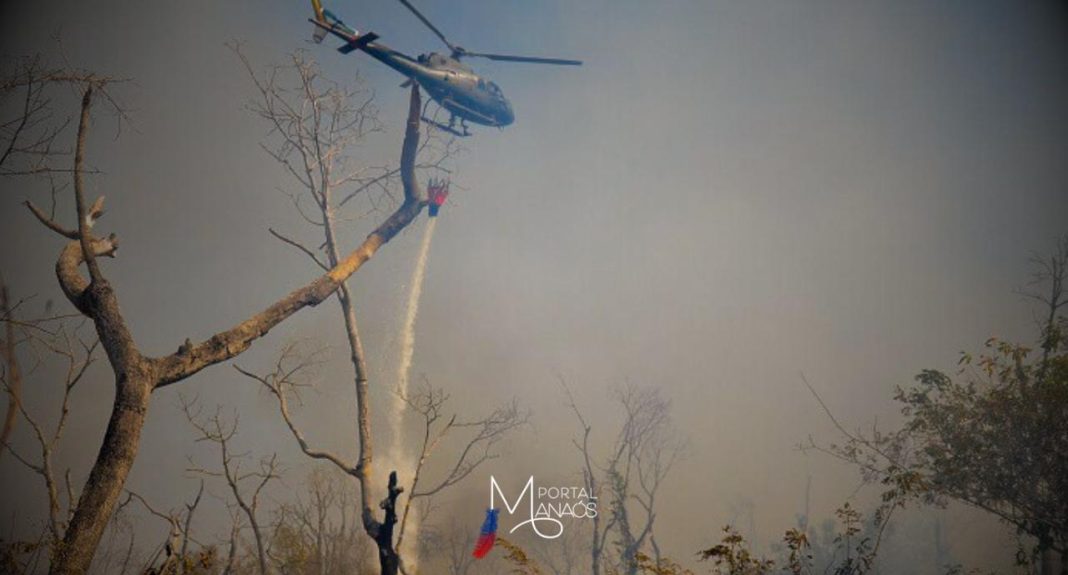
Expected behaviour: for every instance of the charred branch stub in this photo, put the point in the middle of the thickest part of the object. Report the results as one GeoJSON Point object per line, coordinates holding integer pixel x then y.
{"type": "Point", "coordinates": [389, 560]}
{"type": "Point", "coordinates": [288, 377]}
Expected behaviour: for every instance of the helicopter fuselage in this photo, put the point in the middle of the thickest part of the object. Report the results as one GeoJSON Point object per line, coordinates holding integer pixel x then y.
{"type": "Point", "coordinates": [450, 83]}
{"type": "Point", "coordinates": [454, 86]}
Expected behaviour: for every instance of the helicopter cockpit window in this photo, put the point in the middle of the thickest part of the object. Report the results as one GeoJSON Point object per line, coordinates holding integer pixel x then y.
{"type": "Point", "coordinates": [493, 88]}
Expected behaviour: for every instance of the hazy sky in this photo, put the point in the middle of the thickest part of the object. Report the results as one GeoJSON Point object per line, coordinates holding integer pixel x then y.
{"type": "Point", "coordinates": [724, 196]}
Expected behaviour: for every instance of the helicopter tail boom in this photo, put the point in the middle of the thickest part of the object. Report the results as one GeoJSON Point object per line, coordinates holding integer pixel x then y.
{"type": "Point", "coordinates": [353, 40]}
{"type": "Point", "coordinates": [359, 43]}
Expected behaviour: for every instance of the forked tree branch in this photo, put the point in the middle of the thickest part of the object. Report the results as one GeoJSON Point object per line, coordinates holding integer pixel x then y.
{"type": "Point", "coordinates": [478, 448]}
{"type": "Point", "coordinates": [227, 344]}
{"type": "Point", "coordinates": [219, 432]}
{"type": "Point", "coordinates": [280, 384]}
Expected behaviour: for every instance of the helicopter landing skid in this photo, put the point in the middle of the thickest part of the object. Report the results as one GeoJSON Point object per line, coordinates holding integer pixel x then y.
{"type": "Point", "coordinates": [448, 127]}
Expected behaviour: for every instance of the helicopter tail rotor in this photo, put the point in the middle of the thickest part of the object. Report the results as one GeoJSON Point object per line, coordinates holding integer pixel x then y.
{"type": "Point", "coordinates": [317, 6]}
{"type": "Point", "coordinates": [327, 23]}
{"type": "Point", "coordinates": [319, 33]}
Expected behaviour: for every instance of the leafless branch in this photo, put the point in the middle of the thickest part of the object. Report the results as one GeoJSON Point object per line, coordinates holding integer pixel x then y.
{"type": "Point", "coordinates": [644, 451]}
{"type": "Point", "coordinates": [478, 447]}
{"type": "Point", "coordinates": [300, 247]}
{"type": "Point", "coordinates": [283, 382]}
{"type": "Point", "coordinates": [77, 356]}
{"type": "Point", "coordinates": [28, 139]}
{"type": "Point", "coordinates": [216, 429]}
{"type": "Point", "coordinates": [12, 375]}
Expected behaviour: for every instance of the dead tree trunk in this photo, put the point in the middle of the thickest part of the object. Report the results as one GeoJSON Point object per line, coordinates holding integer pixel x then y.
{"type": "Point", "coordinates": [137, 376]}
{"type": "Point", "coordinates": [13, 377]}
{"type": "Point", "coordinates": [315, 123]}
{"type": "Point", "coordinates": [105, 483]}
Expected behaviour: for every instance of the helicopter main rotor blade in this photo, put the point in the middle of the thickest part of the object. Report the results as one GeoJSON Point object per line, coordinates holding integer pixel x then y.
{"type": "Point", "coordinates": [527, 59]}
{"type": "Point", "coordinates": [424, 20]}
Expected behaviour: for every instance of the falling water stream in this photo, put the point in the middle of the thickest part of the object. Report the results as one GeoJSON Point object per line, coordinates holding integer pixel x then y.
{"type": "Point", "coordinates": [398, 454]}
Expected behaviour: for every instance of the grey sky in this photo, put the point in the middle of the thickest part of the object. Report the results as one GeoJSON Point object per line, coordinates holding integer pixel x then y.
{"type": "Point", "coordinates": [725, 195]}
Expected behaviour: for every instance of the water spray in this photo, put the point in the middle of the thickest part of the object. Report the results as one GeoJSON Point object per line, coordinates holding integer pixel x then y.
{"type": "Point", "coordinates": [403, 461]}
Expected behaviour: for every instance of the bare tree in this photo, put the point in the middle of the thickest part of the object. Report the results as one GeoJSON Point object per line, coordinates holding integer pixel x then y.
{"type": "Point", "coordinates": [283, 383]}
{"type": "Point", "coordinates": [217, 430]}
{"type": "Point", "coordinates": [457, 542]}
{"type": "Point", "coordinates": [563, 555]}
{"type": "Point", "coordinates": [175, 550]}
{"type": "Point", "coordinates": [317, 534]}
{"type": "Point", "coordinates": [138, 375]}
{"type": "Point", "coordinates": [118, 546]}
{"type": "Point", "coordinates": [30, 134]}
{"type": "Point", "coordinates": [236, 523]}
{"type": "Point", "coordinates": [477, 448]}
{"type": "Point", "coordinates": [12, 375]}
{"type": "Point", "coordinates": [305, 525]}
{"type": "Point", "coordinates": [46, 340]}
{"type": "Point", "coordinates": [590, 481]}
{"type": "Point", "coordinates": [314, 124]}
{"type": "Point", "coordinates": [629, 479]}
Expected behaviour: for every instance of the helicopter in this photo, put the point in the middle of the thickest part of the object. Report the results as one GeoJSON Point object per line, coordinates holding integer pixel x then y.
{"type": "Point", "coordinates": [452, 84]}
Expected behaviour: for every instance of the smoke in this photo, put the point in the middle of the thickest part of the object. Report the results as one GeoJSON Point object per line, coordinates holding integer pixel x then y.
{"type": "Point", "coordinates": [401, 458]}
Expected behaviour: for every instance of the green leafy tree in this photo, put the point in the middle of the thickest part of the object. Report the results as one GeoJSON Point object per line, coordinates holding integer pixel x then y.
{"type": "Point", "coordinates": [993, 436]}
{"type": "Point", "coordinates": [732, 556]}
